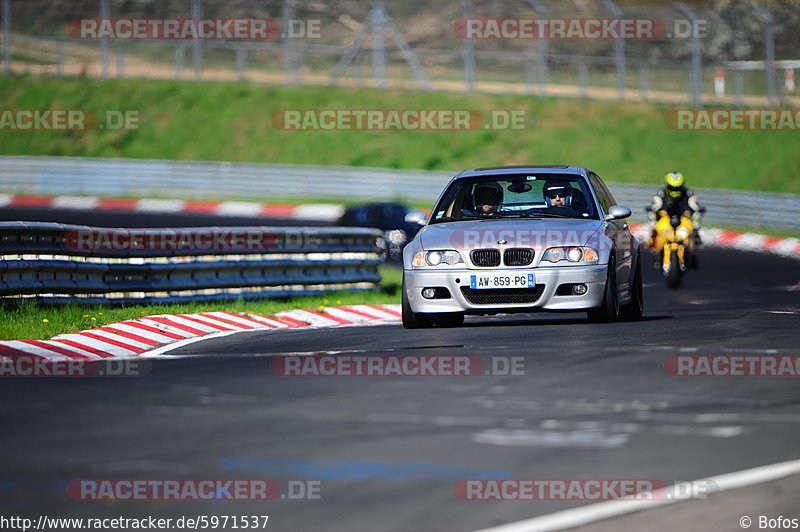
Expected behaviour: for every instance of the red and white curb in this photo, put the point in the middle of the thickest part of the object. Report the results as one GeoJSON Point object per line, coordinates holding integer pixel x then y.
{"type": "Point", "coordinates": [152, 336]}
{"type": "Point", "coordinates": [784, 246]}
{"type": "Point", "coordinates": [311, 211]}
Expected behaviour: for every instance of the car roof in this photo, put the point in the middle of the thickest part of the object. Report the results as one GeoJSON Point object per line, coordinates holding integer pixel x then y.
{"type": "Point", "coordinates": [522, 169]}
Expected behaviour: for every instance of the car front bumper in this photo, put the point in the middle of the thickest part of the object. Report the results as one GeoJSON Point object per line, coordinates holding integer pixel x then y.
{"type": "Point", "coordinates": [594, 277]}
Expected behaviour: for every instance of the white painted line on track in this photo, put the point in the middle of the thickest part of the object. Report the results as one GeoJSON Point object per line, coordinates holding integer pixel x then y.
{"type": "Point", "coordinates": [585, 515]}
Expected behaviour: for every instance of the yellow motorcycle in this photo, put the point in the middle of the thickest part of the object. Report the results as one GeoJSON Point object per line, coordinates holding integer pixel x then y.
{"type": "Point", "coordinates": [673, 246]}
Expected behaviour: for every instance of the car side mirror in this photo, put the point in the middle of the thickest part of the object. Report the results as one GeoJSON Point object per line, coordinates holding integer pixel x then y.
{"type": "Point", "coordinates": [618, 212]}
{"type": "Point", "coordinates": [416, 218]}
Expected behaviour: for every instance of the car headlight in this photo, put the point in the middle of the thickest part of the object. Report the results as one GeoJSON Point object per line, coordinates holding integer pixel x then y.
{"type": "Point", "coordinates": [435, 258]}
{"type": "Point", "coordinates": [574, 255]}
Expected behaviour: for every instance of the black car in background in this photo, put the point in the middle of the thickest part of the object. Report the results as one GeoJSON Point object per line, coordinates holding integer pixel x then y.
{"type": "Point", "coordinates": [389, 218]}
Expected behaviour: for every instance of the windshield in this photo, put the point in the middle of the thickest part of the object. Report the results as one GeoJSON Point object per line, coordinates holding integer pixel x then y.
{"type": "Point", "coordinates": [516, 196]}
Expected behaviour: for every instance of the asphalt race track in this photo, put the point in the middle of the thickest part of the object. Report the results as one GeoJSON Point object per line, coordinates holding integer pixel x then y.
{"type": "Point", "coordinates": [593, 401]}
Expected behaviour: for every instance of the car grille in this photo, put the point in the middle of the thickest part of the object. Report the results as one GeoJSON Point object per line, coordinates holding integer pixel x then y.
{"type": "Point", "coordinates": [518, 257]}
{"type": "Point", "coordinates": [486, 258]}
{"type": "Point", "coordinates": [502, 296]}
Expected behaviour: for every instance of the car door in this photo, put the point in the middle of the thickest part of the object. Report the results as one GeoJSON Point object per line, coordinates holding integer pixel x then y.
{"type": "Point", "coordinates": [617, 231]}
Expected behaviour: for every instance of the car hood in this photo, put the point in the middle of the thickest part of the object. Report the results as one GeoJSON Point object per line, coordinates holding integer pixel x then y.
{"type": "Point", "coordinates": [538, 234]}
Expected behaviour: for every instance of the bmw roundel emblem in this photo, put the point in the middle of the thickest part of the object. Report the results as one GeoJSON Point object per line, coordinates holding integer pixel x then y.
{"type": "Point", "coordinates": [502, 242]}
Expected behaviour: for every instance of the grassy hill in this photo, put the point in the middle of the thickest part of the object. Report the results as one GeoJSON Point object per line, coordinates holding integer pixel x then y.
{"type": "Point", "coordinates": [233, 121]}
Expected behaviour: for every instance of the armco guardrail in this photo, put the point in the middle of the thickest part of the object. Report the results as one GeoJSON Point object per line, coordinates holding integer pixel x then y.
{"type": "Point", "coordinates": [145, 177]}
{"type": "Point", "coordinates": [70, 263]}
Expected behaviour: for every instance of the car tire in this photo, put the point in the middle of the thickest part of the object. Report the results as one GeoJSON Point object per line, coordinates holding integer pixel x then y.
{"type": "Point", "coordinates": [608, 311]}
{"type": "Point", "coordinates": [411, 319]}
{"type": "Point", "coordinates": [633, 311]}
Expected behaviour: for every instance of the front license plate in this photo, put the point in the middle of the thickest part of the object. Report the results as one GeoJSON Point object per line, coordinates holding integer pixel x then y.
{"type": "Point", "coordinates": [516, 280]}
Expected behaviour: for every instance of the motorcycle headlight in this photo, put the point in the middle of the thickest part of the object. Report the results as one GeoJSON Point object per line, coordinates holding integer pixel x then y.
{"type": "Point", "coordinates": [436, 258]}
{"type": "Point", "coordinates": [396, 236]}
{"type": "Point", "coordinates": [573, 255]}
{"type": "Point", "coordinates": [682, 233]}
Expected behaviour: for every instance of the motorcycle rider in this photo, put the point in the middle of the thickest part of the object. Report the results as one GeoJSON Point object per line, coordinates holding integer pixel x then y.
{"type": "Point", "coordinates": [675, 200]}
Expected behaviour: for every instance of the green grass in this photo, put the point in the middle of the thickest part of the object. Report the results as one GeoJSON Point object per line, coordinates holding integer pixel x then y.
{"type": "Point", "coordinates": [232, 122]}
{"type": "Point", "coordinates": [29, 321]}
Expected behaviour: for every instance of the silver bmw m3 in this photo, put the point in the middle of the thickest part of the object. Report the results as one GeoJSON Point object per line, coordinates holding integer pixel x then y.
{"type": "Point", "coordinates": [522, 239]}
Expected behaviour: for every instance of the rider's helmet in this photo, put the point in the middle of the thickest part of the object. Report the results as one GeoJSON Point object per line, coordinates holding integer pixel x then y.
{"type": "Point", "coordinates": [674, 182]}
{"type": "Point", "coordinates": [490, 194]}
{"type": "Point", "coordinates": [552, 189]}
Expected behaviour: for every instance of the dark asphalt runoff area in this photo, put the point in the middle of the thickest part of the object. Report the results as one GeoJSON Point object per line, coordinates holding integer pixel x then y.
{"type": "Point", "coordinates": [588, 401]}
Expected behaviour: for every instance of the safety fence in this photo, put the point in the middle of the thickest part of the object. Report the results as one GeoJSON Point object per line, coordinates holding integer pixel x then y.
{"type": "Point", "coordinates": [416, 44]}
{"type": "Point", "coordinates": [57, 263]}
{"type": "Point", "coordinates": [202, 180]}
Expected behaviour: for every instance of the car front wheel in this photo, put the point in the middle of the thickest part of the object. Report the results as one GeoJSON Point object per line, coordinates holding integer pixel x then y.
{"type": "Point", "coordinates": [633, 311]}
{"type": "Point", "coordinates": [608, 311]}
{"type": "Point", "coordinates": [411, 319]}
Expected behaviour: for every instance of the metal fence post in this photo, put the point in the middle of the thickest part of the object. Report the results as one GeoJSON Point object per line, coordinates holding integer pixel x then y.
{"type": "Point", "coordinates": [197, 45]}
{"type": "Point", "coordinates": [468, 48]}
{"type": "Point", "coordinates": [769, 43]}
{"type": "Point", "coordinates": [619, 51]}
{"type": "Point", "coordinates": [241, 63]}
{"type": "Point", "coordinates": [288, 44]}
{"type": "Point", "coordinates": [583, 80]}
{"type": "Point", "coordinates": [738, 87]}
{"type": "Point", "coordinates": [60, 58]}
{"type": "Point", "coordinates": [180, 54]}
{"type": "Point", "coordinates": [104, 52]}
{"type": "Point", "coordinates": [378, 22]}
{"type": "Point", "coordinates": [644, 82]}
{"type": "Point", "coordinates": [7, 36]}
{"type": "Point", "coordinates": [120, 62]}
{"type": "Point", "coordinates": [529, 73]}
{"type": "Point", "coordinates": [697, 66]}
{"type": "Point", "coordinates": [541, 51]}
